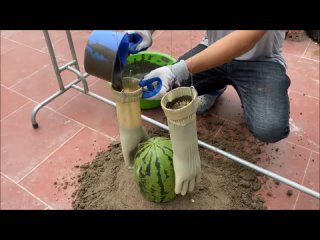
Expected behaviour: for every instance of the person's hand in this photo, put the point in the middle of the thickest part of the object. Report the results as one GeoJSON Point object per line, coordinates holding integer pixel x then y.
{"type": "Point", "coordinates": [139, 40]}
{"type": "Point", "coordinates": [170, 76]}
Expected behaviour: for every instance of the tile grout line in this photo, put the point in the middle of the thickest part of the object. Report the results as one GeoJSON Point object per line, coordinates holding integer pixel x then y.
{"type": "Point", "coordinates": [25, 45]}
{"type": "Point", "coordinates": [292, 90]}
{"type": "Point", "coordinates": [78, 93]}
{"type": "Point", "coordinates": [296, 144]}
{"type": "Point", "coordinates": [305, 51]}
{"type": "Point", "coordinates": [53, 110]}
{"type": "Point", "coordinates": [38, 50]}
{"type": "Point", "coordinates": [15, 91]}
{"type": "Point", "coordinates": [302, 181]}
{"type": "Point", "coordinates": [83, 127]}
{"type": "Point", "coordinates": [95, 130]}
{"type": "Point", "coordinates": [218, 131]}
{"type": "Point", "coordinates": [66, 102]}
{"type": "Point", "coordinates": [4, 118]}
{"type": "Point", "coordinates": [291, 54]}
{"type": "Point", "coordinates": [42, 68]}
{"type": "Point", "coordinates": [4, 52]}
{"type": "Point", "coordinates": [315, 79]}
{"type": "Point", "coordinates": [30, 75]}
{"type": "Point", "coordinates": [49, 155]}
{"type": "Point", "coordinates": [317, 61]}
{"type": "Point", "coordinates": [107, 136]}
{"type": "Point", "coordinates": [228, 120]}
{"type": "Point", "coordinates": [26, 190]}
{"type": "Point", "coordinates": [61, 114]}
{"type": "Point", "coordinates": [57, 42]}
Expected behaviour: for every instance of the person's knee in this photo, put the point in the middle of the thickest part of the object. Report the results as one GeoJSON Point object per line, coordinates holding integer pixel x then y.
{"type": "Point", "coordinates": [271, 133]}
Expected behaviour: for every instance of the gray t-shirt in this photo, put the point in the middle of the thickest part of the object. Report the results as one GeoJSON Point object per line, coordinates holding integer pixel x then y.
{"type": "Point", "coordinates": [268, 48]}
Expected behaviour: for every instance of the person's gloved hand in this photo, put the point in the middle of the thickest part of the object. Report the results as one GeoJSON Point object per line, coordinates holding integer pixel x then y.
{"type": "Point", "coordinates": [139, 40]}
{"type": "Point", "coordinates": [169, 75]}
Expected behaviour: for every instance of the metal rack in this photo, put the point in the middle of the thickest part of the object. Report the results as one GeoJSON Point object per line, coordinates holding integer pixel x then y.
{"type": "Point", "coordinates": [73, 66]}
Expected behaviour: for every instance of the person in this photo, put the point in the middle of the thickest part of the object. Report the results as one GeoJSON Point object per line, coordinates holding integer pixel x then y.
{"type": "Point", "coordinates": [249, 60]}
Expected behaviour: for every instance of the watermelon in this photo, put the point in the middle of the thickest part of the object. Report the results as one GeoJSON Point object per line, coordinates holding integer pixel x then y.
{"type": "Point", "coordinates": [153, 170]}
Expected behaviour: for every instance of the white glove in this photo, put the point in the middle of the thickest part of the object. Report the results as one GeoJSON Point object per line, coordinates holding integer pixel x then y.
{"type": "Point", "coordinates": [183, 135]}
{"type": "Point", "coordinates": [139, 40]}
{"type": "Point", "coordinates": [129, 119]}
{"type": "Point", "coordinates": [170, 76]}
{"type": "Point", "coordinates": [130, 139]}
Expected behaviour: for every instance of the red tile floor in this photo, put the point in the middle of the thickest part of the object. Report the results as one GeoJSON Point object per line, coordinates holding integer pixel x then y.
{"type": "Point", "coordinates": [74, 126]}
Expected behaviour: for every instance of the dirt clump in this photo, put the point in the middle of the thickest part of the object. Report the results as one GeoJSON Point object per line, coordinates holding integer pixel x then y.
{"type": "Point", "coordinates": [179, 102]}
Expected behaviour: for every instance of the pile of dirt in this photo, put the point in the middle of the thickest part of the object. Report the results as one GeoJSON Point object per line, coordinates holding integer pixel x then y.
{"type": "Point", "coordinates": [107, 184]}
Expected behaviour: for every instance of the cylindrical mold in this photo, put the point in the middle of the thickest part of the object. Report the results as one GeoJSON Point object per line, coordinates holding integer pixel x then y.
{"type": "Point", "coordinates": [129, 118]}
{"type": "Point", "coordinates": [183, 135]}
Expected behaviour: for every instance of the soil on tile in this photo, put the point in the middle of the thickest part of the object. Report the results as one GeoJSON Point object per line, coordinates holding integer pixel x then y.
{"type": "Point", "coordinates": [105, 183]}
{"type": "Point", "coordinates": [179, 102]}
{"type": "Point", "coordinates": [289, 193]}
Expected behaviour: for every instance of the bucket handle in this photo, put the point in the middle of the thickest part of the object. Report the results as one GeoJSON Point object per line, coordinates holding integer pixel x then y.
{"type": "Point", "coordinates": [150, 89]}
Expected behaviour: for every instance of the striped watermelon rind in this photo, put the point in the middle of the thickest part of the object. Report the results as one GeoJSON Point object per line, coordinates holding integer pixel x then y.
{"type": "Point", "coordinates": [153, 170]}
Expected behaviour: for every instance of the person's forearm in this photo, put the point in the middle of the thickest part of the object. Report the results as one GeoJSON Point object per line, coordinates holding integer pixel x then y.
{"type": "Point", "coordinates": [231, 46]}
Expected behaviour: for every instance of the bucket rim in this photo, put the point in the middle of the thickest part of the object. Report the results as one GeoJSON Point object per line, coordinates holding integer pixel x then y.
{"type": "Point", "coordinates": [155, 54]}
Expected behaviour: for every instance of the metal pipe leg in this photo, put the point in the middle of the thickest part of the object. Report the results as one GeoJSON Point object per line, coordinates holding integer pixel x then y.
{"type": "Point", "coordinates": [55, 95]}
{"type": "Point", "coordinates": [40, 105]}
{"type": "Point", "coordinates": [83, 80]}
{"type": "Point", "coordinates": [72, 49]}
{"type": "Point", "coordinates": [53, 59]}
{"type": "Point", "coordinates": [74, 57]}
{"type": "Point", "coordinates": [57, 70]}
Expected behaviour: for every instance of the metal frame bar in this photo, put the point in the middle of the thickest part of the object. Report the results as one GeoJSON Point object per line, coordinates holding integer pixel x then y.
{"type": "Point", "coordinates": [85, 90]}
